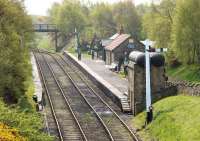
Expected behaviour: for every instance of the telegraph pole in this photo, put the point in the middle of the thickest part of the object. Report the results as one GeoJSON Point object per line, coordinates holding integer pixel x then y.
{"type": "Point", "coordinates": [149, 109]}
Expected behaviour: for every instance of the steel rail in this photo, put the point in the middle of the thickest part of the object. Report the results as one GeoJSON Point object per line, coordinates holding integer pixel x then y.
{"type": "Point", "coordinates": [49, 98]}
{"type": "Point", "coordinates": [97, 115]}
{"type": "Point", "coordinates": [125, 125]}
{"type": "Point", "coordinates": [66, 100]}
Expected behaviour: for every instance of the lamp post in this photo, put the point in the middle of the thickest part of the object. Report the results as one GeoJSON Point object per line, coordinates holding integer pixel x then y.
{"type": "Point", "coordinates": [149, 109]}
{"type": "Point", "coordinates": [78, 44]}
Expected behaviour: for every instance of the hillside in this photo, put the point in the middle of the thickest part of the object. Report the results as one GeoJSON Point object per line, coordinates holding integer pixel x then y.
{"type": "Point", "coordinates": [185, 72]}
{"type": "Point", "coordinates": [175, 119]}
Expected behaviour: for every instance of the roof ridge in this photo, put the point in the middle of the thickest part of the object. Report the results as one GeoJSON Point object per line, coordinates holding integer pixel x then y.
{"type": "Point", "coordinates": [116, 42]}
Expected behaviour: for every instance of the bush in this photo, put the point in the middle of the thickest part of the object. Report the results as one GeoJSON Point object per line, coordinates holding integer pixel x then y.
{"type": "Point", "coordinates": [14, 44]}
{"type": "Point", "coordinates": [29, 125]}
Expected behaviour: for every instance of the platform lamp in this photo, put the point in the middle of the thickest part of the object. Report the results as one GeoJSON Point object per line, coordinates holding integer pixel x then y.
{"type": "Point", "coordinates": [149, 109]}
{"type": "Point", "coordinates": [78, 44]}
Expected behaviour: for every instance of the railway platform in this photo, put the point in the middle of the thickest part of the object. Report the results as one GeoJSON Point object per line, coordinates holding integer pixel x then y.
{"type": "Point", "coordinates": [37, 82]}
{"type": "Point", "coordinates": [110, 82]}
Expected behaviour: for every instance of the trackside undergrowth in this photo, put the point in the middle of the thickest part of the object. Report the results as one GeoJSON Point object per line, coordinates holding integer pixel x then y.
{"type": "Point", "coordinates": [175, 119]}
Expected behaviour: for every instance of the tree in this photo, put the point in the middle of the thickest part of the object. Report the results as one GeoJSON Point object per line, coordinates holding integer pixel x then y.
{"type": "Point", "coordinates": [158, 23]}
{"type": "Point", "coordinates": [54, 13]}
{"type": "Point", "coordinates": [71, 16]}
{"type": "Point", "coordinates": [14, 38]}
{"type": "Point", "coordinates": [186, 31]}
{"type": "Point", "coordinates": [125, 15]}
{"type": "Point", "coordinates": [102, 20]}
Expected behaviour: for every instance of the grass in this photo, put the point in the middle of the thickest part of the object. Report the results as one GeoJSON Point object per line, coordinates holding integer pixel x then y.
{"type": "Point", "coordinates": [175, 119]}
{"type": "Point", "coordinates": [44, 42]}
{"type": "Point", "coordinates": [122, 74]}
{"type": "Point", "coordinates": [185, 72]}
{"type": "Point", "coordinates": [84, 54]}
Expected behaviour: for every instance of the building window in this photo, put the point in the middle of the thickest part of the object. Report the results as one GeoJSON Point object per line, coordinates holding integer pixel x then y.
{"type": "Point", "coordinates": [131, 45]}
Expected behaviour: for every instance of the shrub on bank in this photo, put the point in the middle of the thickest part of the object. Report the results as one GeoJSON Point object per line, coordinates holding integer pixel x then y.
{"type": "Point", "coordinates": [27, 124]}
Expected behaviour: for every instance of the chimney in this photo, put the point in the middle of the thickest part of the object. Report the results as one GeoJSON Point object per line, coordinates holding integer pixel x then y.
{"type": "Point", "coordinates": [121, 31]}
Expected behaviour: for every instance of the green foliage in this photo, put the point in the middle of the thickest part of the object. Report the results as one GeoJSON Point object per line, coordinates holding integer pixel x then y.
{"type": "Point", "coordinates": [9, 134]}
{"type": "Point", "coordinates": [102, 20]}
{"type": "Point", "coordinates": [175, 119]}
{"type": "Point", "coordinates": [186, 33]}
{"type": "Point", "coordinates": [185, 72]}
{"type": "Point", "coordinates": [158, 22]}
{"type": "Point", "coordinates": [125, 15]}
{"type": "Point", "coordinates": [175, 24]}
{"type": "Point", "coordinates": [44, 42]}
{"type": "Point", "coordinates": [29, 124]}
{"type": "Point", "coordinates": [14, 43]}
{"type": "Point", "coordinates": [71, 49]}
{"type": "Point", "coordinates": [16, 86]}
{"type": "Point", "coordinates": [68, 16]}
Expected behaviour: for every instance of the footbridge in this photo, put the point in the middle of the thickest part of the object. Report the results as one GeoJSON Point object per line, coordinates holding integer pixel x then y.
{"type": "Point", "coordinates": [48, 28]}
{"type": "Point", "coordinates": [45, 28]}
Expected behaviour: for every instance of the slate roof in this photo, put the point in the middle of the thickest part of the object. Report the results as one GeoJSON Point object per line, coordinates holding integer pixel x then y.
{"type": "Point", "coordinates": [106, 42]}
{"type": "Point", "coordinates": [114, 36]}
{"type": "Point", "coordinates": [118, 41]}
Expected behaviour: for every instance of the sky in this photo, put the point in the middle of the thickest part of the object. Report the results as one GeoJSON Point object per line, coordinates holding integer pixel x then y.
{"type": "Point", "coordinates": [40, 7]}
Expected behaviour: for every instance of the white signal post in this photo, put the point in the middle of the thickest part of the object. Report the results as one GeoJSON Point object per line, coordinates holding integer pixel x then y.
{"type": "Point", "coordinates": [148, 82]}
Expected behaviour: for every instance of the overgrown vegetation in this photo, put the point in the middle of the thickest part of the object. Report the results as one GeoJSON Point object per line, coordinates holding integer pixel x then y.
{"type": "Point", "coordinates": [174, 24]}
{"type": "Point", "coordinates": [28, 124]}
{"type": "Point", "coordinates": [14, 43]}
{"type": "Point", "coordinates": [185, 72]}
{"type": "Point", "coordinates": [18, 120]}
{"type": "Point", "coordinates": [43, 41]}
{"type": "Point", "coordinates": [175, 119]}
{"type": "Point", "coordinates": [8, 134]}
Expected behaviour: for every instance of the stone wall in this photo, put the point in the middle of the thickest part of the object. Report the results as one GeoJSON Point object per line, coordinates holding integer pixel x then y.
{"type": "Point", "coordinates": [119, 51]}
{"type": "Point", "coordinates": [186, 88]}
{"type": "Point", "coordinates": [137, 86]}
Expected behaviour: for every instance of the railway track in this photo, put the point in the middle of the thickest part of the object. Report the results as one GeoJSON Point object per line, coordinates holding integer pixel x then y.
{"type": "Point", "coordinates": [92, 125]}
{"type": "Point", "coordinates": [67, 127]}
{"type": "Point", "coordinates": [116, 126]}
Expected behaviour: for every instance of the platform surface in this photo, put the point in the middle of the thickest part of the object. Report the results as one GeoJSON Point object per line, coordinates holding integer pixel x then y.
{"type": "Point", "coordinates": [112, 80]}
{"type": "Point", "coordinates": [36, 79]}
{"type": "Point", "coordinates": [99, 67]}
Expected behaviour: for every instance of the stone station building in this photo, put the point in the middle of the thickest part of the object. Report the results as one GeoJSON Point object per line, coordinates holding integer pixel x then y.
{"type": "Point", "coordinates": [120, 44]}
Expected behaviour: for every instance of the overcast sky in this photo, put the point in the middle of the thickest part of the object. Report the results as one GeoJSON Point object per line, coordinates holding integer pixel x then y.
{"type": "Point", "coordinates": [40, 7]}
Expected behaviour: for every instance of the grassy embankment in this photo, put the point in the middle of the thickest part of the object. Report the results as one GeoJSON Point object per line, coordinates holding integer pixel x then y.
{"type": "Point", "coordinates": [175, 119]}
{"type": "Point", "coordinates": [189, 73]}
{"type": "Point", "coordinates": [21, 121]}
